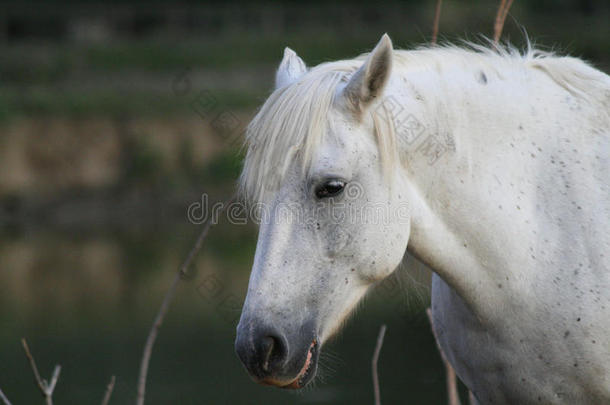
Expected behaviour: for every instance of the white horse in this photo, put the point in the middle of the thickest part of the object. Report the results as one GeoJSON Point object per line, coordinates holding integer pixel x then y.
{"type": "Point", "coordinates": [490, 166]}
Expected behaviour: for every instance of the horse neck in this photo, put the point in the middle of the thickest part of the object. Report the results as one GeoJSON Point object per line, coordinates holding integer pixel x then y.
{"type": "Point", "coordinates": [466, 120]}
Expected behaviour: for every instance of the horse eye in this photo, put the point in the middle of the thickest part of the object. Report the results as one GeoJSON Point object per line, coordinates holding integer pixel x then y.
{"type": "Point", "coordinates": [329, 189]}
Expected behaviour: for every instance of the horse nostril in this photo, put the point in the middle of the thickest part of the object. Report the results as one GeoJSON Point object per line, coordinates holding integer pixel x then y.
{"type": "Point", "coordinates": [267, 346]}
{"type": "Point", "coordinates": [263, 351]}
{"type": "Point", "coordinates": [273, 351]}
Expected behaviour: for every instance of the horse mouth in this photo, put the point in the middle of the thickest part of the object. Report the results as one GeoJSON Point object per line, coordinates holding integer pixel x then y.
{"type": "Point", "coordinates": [304, 376]}
{"type": "Point", "coordinates": [308, 371]}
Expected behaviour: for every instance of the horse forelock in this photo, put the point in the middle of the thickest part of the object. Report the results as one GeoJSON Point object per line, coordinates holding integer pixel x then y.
{"type": "Point", "coordinates": [290, 126]}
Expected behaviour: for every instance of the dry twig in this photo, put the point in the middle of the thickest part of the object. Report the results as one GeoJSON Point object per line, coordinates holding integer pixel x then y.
{"type": "Point", "coordinates": [4, 398]}
{"type": "Point", "coordinates": [109, 389]}
{"type": "Point", "coordinates": [45, 387]}
{"type": "Point", "coordinates": [501, 18]}
{"type": "Point", "coordinates": [169, 295]}
{"type": "Point", "coordinates": [374, 364]}
{"type": "Point", "coordinates": [437, 17]}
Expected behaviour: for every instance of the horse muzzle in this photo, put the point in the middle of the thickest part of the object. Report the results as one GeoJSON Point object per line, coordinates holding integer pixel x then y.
{"type": "Point", "coordinates": [275, 358]}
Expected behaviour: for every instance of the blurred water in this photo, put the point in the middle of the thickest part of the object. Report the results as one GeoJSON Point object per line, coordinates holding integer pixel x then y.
{"type": "Point", "coordinates": [86, 300]}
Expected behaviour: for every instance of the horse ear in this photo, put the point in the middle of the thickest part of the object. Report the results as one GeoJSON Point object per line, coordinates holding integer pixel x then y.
{"type": "Point", "coordinates": [369, 81]}
{"type": "Point", "coordinates": [290, 70]}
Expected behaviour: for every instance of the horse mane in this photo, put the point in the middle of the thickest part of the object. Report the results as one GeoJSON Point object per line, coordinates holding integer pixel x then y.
{"type": "Point", "coordinates": [292, 122]}
{"type": "Point", "coordinates": [573, 74]}
{"type": "Point", "coordinates": [290, 125]}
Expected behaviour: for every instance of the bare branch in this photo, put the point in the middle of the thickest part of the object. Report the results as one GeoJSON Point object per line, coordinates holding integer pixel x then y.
{"type": "Point", "coordinates": [451, 380]}
{"type": "Point", "coordinates": [437, 17]}
{"type": "Point", "coordinates": [39, 381]}
{"type": "Point", "coordinates": [54, 378]}
{"type": "Point", "coordinates": [374, 364]}
{"type": "Point", "coordinates": [4, 398]}
{"type": "Point", "coordinates": [46, 388]}
{"type": "Point", "coordinates": [169, 296]}
{"type": "Point", "coordinates": [150, 341]}
{"type": "Point", "coordinates": [109, 389]}
{"type": "Point", "coordinates": [501, 18]}
{"type": "Point", "coordinates": [499, 13]}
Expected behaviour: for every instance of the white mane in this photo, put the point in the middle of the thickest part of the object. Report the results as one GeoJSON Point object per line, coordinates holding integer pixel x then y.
{"type": "Point", "coordinates": [293, 120]}
{"type": "Point", "coordinates": [289, 126]}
